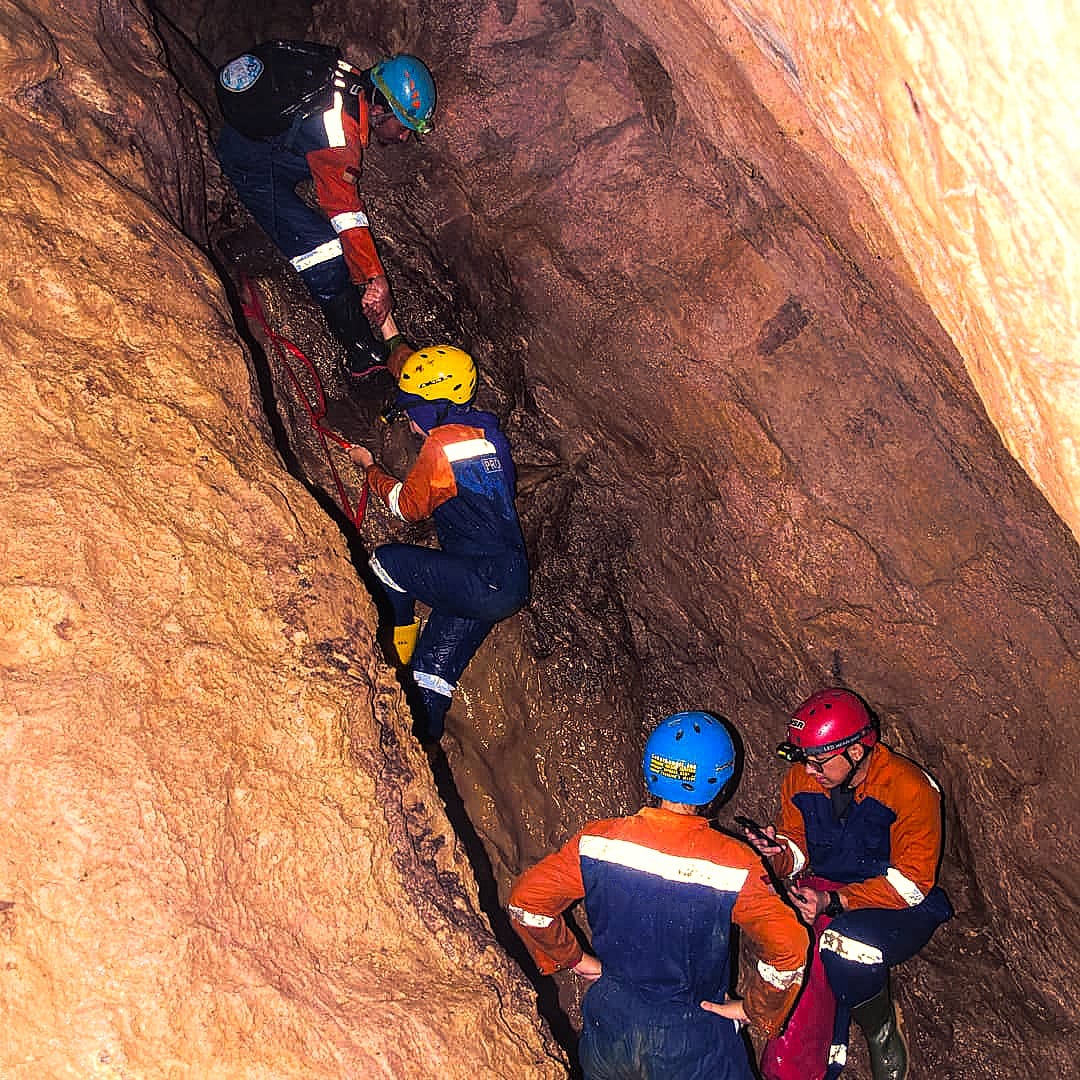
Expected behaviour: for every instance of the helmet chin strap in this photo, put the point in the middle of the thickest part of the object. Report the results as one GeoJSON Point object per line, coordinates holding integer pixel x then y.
{"type": "Point", "coordinates": [842, 795]}
{"type": "Point", "coordinates": [852, 765]}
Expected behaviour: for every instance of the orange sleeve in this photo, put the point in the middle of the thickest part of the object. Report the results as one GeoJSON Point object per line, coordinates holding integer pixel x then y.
{"type": "Point", "coordinates": [429, 484]}
{"type": "Point", "coordinates": [335, 170]}
{"type": "Point", "coordinates": [790, 829]}
{"type": "Point", "coordinates": [779, 944]}
{"type": "Point", "coordinates": [914, 843]}
{"type": "Point", "coordinates": [537, 901]}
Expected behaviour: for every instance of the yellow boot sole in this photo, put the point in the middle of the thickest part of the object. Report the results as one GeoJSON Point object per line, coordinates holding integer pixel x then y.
{"type": "Point", "coordinates": [405, 641]}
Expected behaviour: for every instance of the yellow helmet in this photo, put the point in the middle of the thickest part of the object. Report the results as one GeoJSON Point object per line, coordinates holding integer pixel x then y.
{"type": "Point", "coordinates": [439, 373]}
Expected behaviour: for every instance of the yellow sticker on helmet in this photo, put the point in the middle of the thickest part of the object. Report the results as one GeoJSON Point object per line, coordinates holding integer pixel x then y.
{"type": "Point", "coordinates": [683, 771]}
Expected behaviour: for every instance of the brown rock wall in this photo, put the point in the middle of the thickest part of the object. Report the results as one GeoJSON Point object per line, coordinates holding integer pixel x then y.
{"type": "Point", "coordinates": [222, 854]}
{"type": "Point", "coordinates": [752, 461]}
{"type": "Point", "coordinates": [957, 123]}
{"type": "Point", "coordinates": [756, 463]}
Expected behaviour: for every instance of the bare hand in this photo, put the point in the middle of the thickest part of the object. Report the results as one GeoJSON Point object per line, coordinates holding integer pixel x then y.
{"type": "Point", "coordinates": [588, 967]}
{"type": "Point", "coordinates": [396, 360]}
{"type": "Point", "coordinates": [809, 903]}
{"type": "Point", "coordinates": [731, 1010]}
{"type": "Point", "coordinates": [767, 847]}
{"type": "Point", "coordinates": [376, 302]}
{"type": "Point", "coordinates": [362, 456]}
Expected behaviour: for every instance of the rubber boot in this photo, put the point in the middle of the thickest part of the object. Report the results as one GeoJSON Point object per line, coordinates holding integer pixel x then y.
{"type": "Point", "coordinates": [348, 323]}
{"type": "Point", "coordinates": [405, 641]}
{"type": "Point", "coordinates": [880, 1023]}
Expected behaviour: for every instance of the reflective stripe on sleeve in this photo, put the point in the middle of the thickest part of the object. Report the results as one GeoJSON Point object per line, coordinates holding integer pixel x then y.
{"type": "Point", "coordinates": [434, 683]}
{"type": "Point", "coordinates": [858, 952]}
{"type": "Point", "coordinates": [379, 571]}
{"type": "Point", "coordinates": [354, 219]}
{"type": "Point", "coordinates": [468, 448]}
{"type": "Point", "coordinates": [333, 124]}
{"type": "Point", "coordinates": [323, 253]}
{"type": "Point", "coordinates": [782, 980]}
{"type": "Point", "coordinates": [908, 891]}
{"type": "Point", "coordinates": [796, 854]}
{"type": "Point", "coordinates": [394, 499]}
{"type": "Point", "coordinates": [727, 879]}
{"type": "Point", "coordinates": [527, 918]}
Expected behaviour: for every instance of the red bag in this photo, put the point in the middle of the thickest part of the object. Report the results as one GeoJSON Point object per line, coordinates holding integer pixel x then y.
{"type": "Point", "coordinates": [801, 1052]}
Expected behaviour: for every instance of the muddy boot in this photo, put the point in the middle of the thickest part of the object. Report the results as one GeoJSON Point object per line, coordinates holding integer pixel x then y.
{"type": "Point", "coordinates": [348, 323]}
{"type": "Point", "coordinates": [880, 1023]}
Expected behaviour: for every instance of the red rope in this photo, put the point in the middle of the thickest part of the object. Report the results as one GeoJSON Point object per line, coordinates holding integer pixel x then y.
{"type": "Point", "coordinates": [252, 307]}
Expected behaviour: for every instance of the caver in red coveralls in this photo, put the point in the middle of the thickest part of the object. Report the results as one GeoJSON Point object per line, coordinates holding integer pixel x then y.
{"type": "Point", "coordinates": [330, 246]}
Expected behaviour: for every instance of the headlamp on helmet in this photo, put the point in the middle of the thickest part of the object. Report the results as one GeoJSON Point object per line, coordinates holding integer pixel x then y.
{"type": "Point", "coordinates": [825, 722]}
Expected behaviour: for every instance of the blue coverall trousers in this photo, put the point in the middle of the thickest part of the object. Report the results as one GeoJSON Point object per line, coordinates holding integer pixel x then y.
{"type": "Point", "coordinates": [265, 174]}
{"type": "Point", "coordinates": [887, 937]}
{"type": "Point", "coordinates": [626, 1038]}
{"type": "Point", "coordinates": [467, 594]}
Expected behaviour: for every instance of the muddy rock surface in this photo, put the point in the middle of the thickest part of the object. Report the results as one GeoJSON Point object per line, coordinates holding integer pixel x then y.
{"type": "Point", "coordinates": [223, 854]}
{"type": "Point", "coordinates": [752, 461]}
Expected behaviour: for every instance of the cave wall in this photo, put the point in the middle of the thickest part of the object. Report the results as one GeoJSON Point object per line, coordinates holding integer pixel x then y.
{"type": "Point", "coordinates": [222, 855]}
{"type": "Point", "coordinates": [752, 461]}
{"type": "Point", "coordinates": [757, 463]}
{"type": "Point", "coordinates": [958, 122]}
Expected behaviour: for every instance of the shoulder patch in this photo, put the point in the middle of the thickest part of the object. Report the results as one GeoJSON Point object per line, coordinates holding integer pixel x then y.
{"type": "Point", "coordinates": [241, 74]}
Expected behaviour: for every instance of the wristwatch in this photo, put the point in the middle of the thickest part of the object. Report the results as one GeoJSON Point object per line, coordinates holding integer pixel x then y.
{"type": "Point", "coordinates": [834, 906]}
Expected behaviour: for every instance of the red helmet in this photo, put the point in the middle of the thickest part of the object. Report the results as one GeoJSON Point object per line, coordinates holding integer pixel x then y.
{"type": "Point", "coordinates": [826, 721]}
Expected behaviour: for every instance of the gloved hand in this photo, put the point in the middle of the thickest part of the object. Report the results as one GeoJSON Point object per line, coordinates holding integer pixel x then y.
{"type": "Point", "coordinates": [377, 301]}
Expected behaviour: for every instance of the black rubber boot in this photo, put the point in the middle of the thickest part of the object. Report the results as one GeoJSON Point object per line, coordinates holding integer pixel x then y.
{"type": "Point", "coordinates": [880, 1023]}
{"type": "Point", "coordinates": [348, 323]}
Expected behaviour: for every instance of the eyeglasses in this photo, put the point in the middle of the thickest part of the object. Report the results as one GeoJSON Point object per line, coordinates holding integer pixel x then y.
{"type": "Point", "coordinates": [818, 765]}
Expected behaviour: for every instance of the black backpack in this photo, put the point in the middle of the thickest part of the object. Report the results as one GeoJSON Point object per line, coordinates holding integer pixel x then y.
{"type": "Point", "coordinates": [277, 84]}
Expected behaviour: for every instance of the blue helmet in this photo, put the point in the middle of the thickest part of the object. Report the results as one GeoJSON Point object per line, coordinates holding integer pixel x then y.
{"type": "Point", "coordinates": [688, 758]}
{"type": "Point", "coordinates": [409, 89]}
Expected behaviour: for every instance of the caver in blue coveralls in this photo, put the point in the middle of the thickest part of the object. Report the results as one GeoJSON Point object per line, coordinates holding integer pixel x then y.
{"type": "Point", "coordinates": [463, 479]}
{"type": "Point", "coordinates": [662, 890]}
{"type": "Point", "coordinates": [330, 247]}
{"type": "Point", "coordinates": [881, 856]}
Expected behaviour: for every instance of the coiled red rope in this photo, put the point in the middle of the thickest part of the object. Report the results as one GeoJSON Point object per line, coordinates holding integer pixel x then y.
{"type": "Point", "coordinates": [288, 355]}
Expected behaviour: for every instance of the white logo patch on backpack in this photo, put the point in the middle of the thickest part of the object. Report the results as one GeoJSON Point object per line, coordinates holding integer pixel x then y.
{"type": "Point", "coordinates": [240, 74]}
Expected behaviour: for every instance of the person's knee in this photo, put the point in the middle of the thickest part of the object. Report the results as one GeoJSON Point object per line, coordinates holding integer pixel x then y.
{"type": "Point", "coordinates": [854, 969]}
{"type": "Point", "coordinates": [382, 563]}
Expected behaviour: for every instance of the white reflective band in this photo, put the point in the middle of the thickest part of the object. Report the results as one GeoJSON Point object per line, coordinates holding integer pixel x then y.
{"type": "Point", "coordinates": [434, 683]}
{"type": "Point", "coordinates": [323, 253]}
{"type": "Point", "coordinates": [527, 918]}
{"type": "Point", "coordinates": [669, 867]}
{"type": "Point", "coordinates": [382, 575]}
{"type": "Point", "coordinates": [782, 980]}
{"type": "Point", "coordinates": [858, 952]}
{"type": "Point", "coordinates": [837, 1055]}
{"type": "Point", "coordinates": [352, 220]}
{"type": "Point", "coordinates": [796, 854]}
{"type": "Point", "coordinates": [908, 891]}
{"type": "Point", "coordinates": [333, 125]}
{"type": "Point", "coordinates": [394, 499]}
{"type": "Point", "coordinates": [469, 448]}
